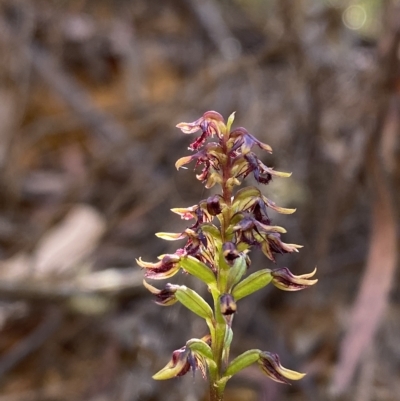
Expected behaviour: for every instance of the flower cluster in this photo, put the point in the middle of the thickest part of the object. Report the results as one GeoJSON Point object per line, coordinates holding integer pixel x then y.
{"type": "Point", "coordinates": [225, 227]}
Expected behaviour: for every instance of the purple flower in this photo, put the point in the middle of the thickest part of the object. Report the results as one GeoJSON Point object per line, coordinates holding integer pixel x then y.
{"type": "Point", "coordinates": [273, 244]}
{"type": "Point", "coordinates": [210, 124]}
{"type": "Point", "coordinates": [251, 231]}
{"type": "Point", "coordinates": [245, 141]}
{"type": "Point", "coordinates": [167, 267]}
{"type": "Point", "coordinates": [285, 280]}
{"type": "Point", "coordinates": [181, 362]}
{"type": "Point", "coordinates": [271, 366]}
{"type": "Point", "coordinates": [164, 297]}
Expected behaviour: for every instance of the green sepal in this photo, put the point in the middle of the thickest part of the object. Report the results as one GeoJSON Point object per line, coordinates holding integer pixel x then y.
{"type": "Point", "coordinates": [213, 236]}
{"type": "Point", "coordinates": [198, 269]}
{"type": "Point", "coordinates": [242, 361]}
{"type": "Point", "coordinates": [213, 178]}
{"type": "Point", "coordinates": [239, 164]}
{"type": "Point", "coordinates": [167, 372]}
{"type": "Point", "coordinates": [273, 229]}
{"type": "Point", "coordinates": [218, 153]}
{"type": "Point", "coordinates": [242, 246]}
{"type": "Point", "coordinates": [182, 161]}
{"type": "Point", "coordinates": [194, 302]}
{"type": "Point", "coordinates": [237, 218]}
{"type": "Point", "coordinates": [267, 251]}
{"type": "Point", "coordinates": [200, 347]}
{"type": "Point", "coordinates": [211, 230]}
{"type": "Point", "coordinates": [230, 121]}
{"type": "Point", "coordinates": [245, 198]}
{"type": "Point", "coordinates": [170, 236]}
{"type": "Point", "coordinates": [252, 283]}
{"type": "Point", "coordinates": [237, 271]}
{"type": "Point", "coordinates": [279, 173]}
{"type": "Point", "coordinates": [231, 182]}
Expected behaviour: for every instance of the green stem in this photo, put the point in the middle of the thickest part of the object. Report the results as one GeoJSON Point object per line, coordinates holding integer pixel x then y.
{"type": "Point", "coordinates": [218, 345]}
{"type": "Point", "coordinates": [226, 190]}
{"type": "Point", "coordinates": [215, 393]}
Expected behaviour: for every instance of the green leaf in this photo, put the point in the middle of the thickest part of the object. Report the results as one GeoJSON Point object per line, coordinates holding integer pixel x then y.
{"type": "Point", "coordinates": [194, 302]}
{"type": "Point", "coordinates": [198, 269]}
{"type": "Point", "coordinates": [242, 361]}
{"type": "Point", "coordinates": [252, 283]}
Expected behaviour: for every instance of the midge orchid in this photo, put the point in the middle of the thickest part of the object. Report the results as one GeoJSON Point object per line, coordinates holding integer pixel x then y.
{"type": "Point", "coordinates": [225, 227]}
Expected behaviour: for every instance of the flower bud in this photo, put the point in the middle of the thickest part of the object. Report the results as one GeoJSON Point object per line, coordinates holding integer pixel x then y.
{"type": "Point", "coordinates": [227, 304]}
{"type": "Point", "coordinates": [214, 205]}
{"type": "Point", "coordinates": [230, 252]}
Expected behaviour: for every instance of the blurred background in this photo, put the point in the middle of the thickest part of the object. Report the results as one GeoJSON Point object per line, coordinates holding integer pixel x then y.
{"type": "Point", "coordinates": [90, 93]}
